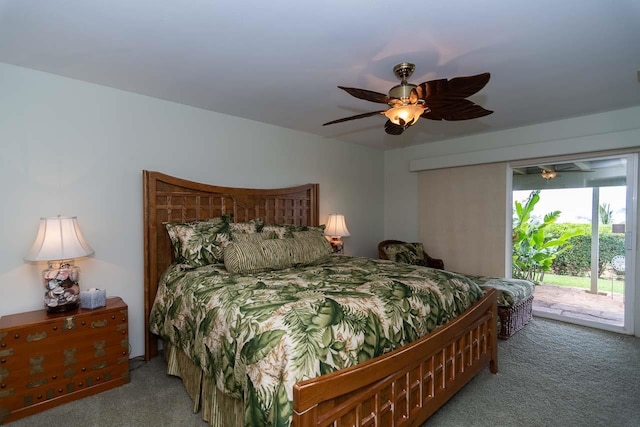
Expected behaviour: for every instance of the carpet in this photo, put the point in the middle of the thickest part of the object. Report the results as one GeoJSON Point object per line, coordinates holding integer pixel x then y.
{"type": "Point", "coordinates": [550, 374]}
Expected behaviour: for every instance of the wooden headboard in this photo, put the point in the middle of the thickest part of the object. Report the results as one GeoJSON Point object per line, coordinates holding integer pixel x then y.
{"type": "Point", "coordinates": [170, 199]}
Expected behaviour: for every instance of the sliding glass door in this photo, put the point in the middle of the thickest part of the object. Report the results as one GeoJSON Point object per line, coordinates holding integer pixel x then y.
{"type": "Point", "coordinates": [574, 234]}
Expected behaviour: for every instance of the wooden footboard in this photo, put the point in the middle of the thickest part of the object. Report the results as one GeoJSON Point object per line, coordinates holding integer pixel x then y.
{"type": "Point", "coordinates": [406, 386]}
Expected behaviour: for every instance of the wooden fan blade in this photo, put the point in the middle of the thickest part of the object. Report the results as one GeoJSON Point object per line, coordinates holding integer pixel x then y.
{"type": "Point", "coordinates": [463, 109]}
{"type": "Point", "coordinates": [358, 116]}
{"type": "Point", "coordinates": [456, 88]}
{"type": "Point", "coordinates": [392, 128]}
{"type": "Point", "coordinates": [413, 96]}
{"type": "Point", "coordinates": [367, 95]}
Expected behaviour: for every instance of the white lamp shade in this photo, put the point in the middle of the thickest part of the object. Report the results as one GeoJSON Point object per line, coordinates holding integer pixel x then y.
{"type": "Point", "coordinates": [58, 238]}
{"type": "Point", "coordinates": [336, 226]}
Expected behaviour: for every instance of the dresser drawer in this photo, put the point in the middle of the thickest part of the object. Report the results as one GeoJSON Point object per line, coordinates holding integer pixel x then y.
{"type": "Point", "coordinates": [46, 359]}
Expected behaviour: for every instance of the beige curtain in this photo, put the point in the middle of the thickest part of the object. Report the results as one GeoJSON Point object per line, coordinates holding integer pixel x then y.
{"type": "Point", "coordinates": [463, 217]}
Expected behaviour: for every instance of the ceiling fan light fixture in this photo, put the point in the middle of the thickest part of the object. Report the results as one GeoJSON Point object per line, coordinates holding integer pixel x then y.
{"type": "Point", "coordinates": [441, 99]}
{"type": "Point", "coordinates": [404, 115]}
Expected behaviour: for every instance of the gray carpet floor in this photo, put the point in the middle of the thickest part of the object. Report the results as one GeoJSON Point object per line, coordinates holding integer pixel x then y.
{"type": "Point", "coordinates": [551, 374]}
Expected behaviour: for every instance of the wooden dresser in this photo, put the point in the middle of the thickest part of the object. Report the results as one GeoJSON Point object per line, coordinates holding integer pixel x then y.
{"type": "Point", "coordinates": [49, 359]}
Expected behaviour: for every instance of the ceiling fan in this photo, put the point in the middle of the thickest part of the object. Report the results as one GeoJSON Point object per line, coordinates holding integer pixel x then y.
{"type": "Point", "coordinates": [550, 172]}
{"type": "Point", "coordinates": [440, 99]}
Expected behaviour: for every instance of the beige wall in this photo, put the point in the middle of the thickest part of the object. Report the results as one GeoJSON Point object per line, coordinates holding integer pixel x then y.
{"type": "Point", "coordinates": [463, 217]}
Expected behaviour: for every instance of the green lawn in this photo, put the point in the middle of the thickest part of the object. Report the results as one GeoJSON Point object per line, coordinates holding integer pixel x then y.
{"type": "Point", "coordinates": [604, 285]}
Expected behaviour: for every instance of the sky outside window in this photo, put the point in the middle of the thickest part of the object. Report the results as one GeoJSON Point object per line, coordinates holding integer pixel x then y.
{"type": "Point", "coordinates": [575, 203]}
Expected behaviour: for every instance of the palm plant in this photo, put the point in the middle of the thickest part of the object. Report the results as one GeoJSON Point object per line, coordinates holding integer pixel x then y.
{"type": "Point", "coordinates": [606, 213]}
{"type": "Point", "coordinates": [532, 253]}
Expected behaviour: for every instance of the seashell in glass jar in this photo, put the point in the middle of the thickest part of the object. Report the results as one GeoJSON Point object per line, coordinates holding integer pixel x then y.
{"type": "Point", "coordinates": [50, 274]}
{"type": "Point", "coordinates": [73, 274]}
{"type": "Point", "coordinates": [62, 274]}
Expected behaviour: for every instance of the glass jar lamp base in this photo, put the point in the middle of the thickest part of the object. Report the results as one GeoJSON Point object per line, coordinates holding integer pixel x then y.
{"type": "Point", "coordinates": [62, 292]}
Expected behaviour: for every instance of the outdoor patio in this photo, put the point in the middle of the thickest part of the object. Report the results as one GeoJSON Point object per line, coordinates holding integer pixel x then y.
{"type": "Point", "coordinates": [578, 303]}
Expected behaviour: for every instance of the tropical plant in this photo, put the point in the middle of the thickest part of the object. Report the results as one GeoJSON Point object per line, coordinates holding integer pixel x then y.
{"type": "Point", "coordinates": [606, 214]}
{"type": "Point", "coordinates": [533, 253]}
{"type": "Point", "coordinates": [576, 260]}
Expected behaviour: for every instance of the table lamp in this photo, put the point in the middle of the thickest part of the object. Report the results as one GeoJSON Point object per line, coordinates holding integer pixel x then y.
{"type": "Point", "coordinates": [59, 241]}
{"type": "Point", "coordinates": [335, 229]}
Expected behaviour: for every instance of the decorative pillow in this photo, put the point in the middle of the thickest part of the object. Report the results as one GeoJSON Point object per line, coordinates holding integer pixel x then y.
{"type": "Point", "coordinates": [247, 227]}
{"type": "Point", "coordinates": [318, 230]}
{"type": "Point", "coordinates": [284, 231]}
{"type": "Point", "coordinates": [275, 254]}
{"type": "Point", "coordinates": [252, 237]}
{"type": "Point", "coordinates": [199, 243]}
{"type": "Point", "coordinates": [281, 231]}
{"type": "Point", "coordinates": [409, 253]}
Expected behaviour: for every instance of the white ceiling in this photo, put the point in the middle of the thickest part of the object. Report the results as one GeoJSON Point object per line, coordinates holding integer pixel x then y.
{"type": "Point", "coordinates": [279, 62]}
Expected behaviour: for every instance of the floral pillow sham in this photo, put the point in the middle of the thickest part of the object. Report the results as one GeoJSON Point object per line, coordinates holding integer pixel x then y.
{"type": "Point", "coordinates": [285, 231]}
{"type": "Point", "coordinates": [199, 243]}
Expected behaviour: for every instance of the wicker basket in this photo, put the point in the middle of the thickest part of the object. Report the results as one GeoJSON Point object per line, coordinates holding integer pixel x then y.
{"type": "Point", "coordinates": [512, 319]}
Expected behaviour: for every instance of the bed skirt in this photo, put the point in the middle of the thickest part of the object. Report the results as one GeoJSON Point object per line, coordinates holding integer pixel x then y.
{"type": "Point", "coordinates": [218, 409]}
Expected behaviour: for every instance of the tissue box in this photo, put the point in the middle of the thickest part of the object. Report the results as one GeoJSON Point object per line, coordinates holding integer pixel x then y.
{"type": "Point", "coordinates": [93, 298]}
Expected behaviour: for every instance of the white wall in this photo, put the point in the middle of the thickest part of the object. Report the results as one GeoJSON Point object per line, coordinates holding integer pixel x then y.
{"type": "Point", "coordinates": [606, 131]}
{"type": "Point", "coordinates": [78, 149]}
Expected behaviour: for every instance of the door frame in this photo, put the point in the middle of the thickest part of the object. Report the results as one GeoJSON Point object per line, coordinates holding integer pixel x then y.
{"type": "Point", "coordinates": [630, 234]}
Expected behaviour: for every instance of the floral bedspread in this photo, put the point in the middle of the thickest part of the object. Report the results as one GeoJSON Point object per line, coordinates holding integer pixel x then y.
{"type": "Point", "coordinates": [259, 334]}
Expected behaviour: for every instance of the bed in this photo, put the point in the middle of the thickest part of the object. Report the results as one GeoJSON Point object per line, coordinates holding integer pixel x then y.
{"type": "Point", "coordinates": [402, 386]}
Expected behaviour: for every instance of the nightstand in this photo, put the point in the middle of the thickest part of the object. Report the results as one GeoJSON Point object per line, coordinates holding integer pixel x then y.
{"type": "Point", "coordinates": [47, 359]}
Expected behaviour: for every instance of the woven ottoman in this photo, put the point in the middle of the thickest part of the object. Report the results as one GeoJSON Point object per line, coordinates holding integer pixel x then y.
{"type": "Point", "coordinates": [515, 302]}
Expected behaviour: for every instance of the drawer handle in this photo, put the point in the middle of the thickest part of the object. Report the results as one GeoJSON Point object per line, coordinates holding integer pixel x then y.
{"type": "Point", "coordinates": [7, 352]}
{"type": "Point", "coordinates": [36, 337]}
{"type": "Point", "coordinates": [70, 356]}
{"type": "Point", "coordinates": [37, 383]}
{"type": "Point", "coordinates": [99, 346]}
{"type": "Point", "coordinates": [99, 365]}
{"type": "Point", "coordinates": [36, 365]}
{"type": "Point", "coordinates": [99, 324]}
{"type": "Point", "coordinates": [6, 393]}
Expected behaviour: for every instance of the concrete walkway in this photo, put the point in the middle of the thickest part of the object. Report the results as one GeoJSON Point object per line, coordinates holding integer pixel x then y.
{"type": "Point", "coordinates": [578, 303]}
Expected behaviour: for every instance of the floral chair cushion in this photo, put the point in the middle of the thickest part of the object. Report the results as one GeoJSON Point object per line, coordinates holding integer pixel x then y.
{"type": "Point", "coordinates": [409, 253]}
{"type": "Point", "coordinates": [510, 291]}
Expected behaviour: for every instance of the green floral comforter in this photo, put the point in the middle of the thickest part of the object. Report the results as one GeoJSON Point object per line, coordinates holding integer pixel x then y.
{"type": "Point", "coordinates": [259, 334]}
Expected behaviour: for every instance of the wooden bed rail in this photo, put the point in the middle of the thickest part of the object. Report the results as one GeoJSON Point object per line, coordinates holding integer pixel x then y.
{"type": "Point", "coordinates": [404, 387]}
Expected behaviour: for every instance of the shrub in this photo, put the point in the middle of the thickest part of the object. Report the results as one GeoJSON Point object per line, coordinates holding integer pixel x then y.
{"type": "Point", "coordinates": [576, 260]}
